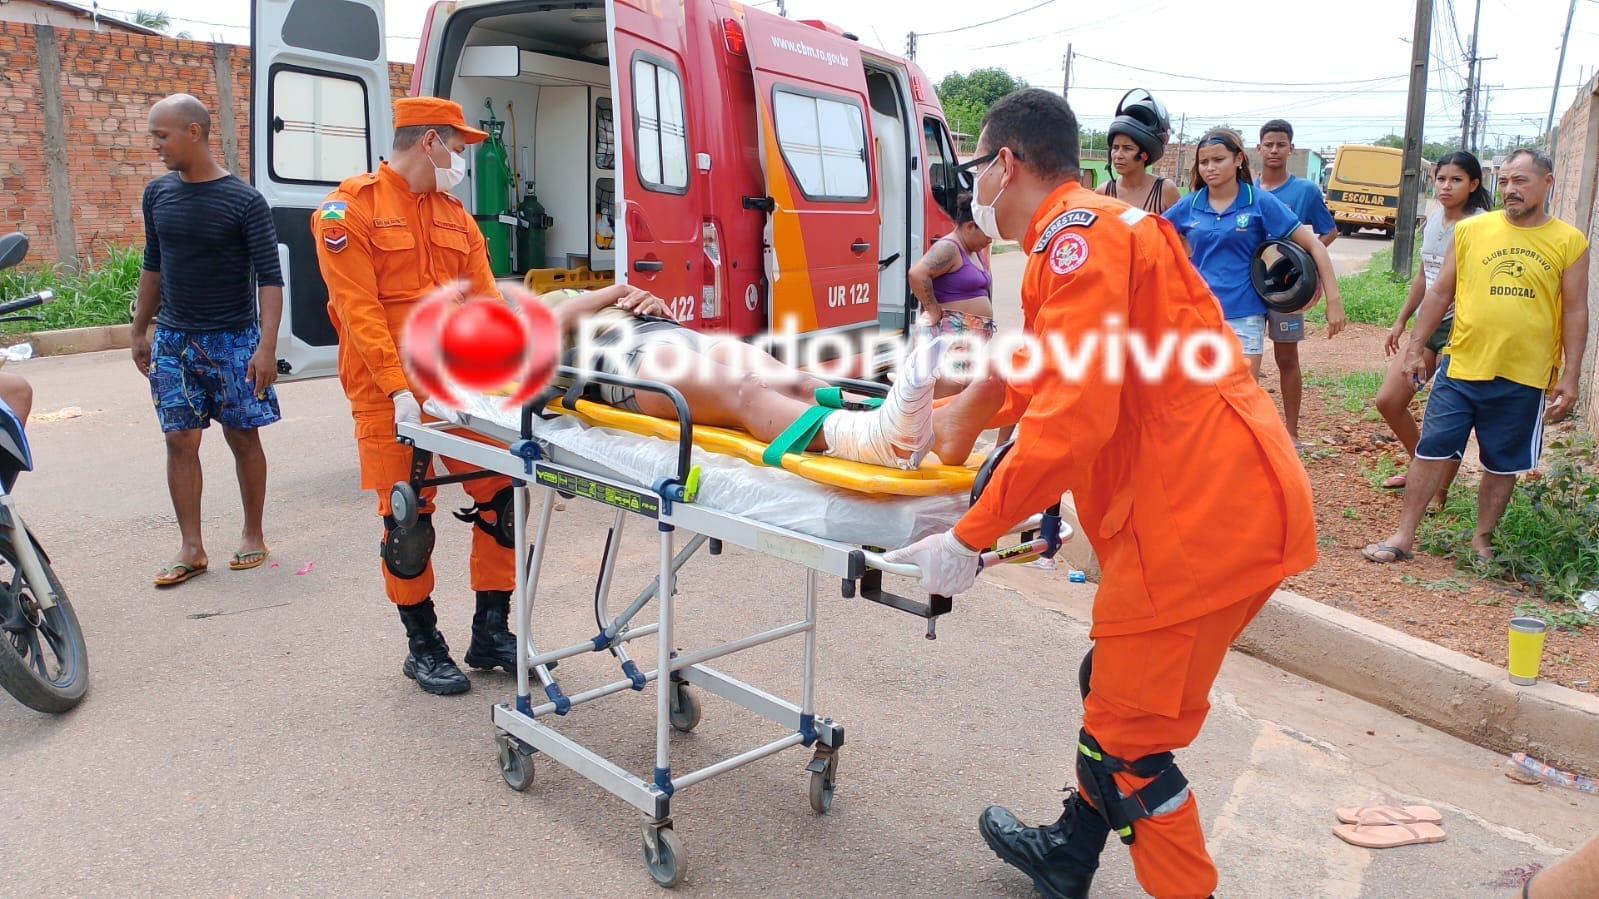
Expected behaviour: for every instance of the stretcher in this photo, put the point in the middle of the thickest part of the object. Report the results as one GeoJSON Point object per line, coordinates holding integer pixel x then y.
{"type": "Point", "coordinates": [712, 500]}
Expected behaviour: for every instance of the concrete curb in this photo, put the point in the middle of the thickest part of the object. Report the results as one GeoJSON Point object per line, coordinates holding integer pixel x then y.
{"type": "Point", "coordinates": [1447, 690]}
{"type": "Point", "coordinates": [78, 340]}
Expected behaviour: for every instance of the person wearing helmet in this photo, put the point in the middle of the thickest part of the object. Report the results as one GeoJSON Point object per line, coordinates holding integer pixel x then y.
{"type": "Point", "coordinates": [1224, 221]}
{"type": "Point", "coordinates": [1138, 138]}
{"type": "Point", "coordinates": [1287, 329]}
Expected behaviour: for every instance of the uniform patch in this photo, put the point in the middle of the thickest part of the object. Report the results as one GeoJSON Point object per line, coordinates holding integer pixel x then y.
{"type": "Point", "coordinates": [335, 239]}
{"type": "Point", "coordinates": [1242, 221]}
{"type": "Point", "coordinates": [333, 211]}
{"type": "Point", "coordinates": [388, 223]}
{"type": "Point", "coordinates": [1080, 217]}
{"type": "Point", "coordinates": [1068, 253]}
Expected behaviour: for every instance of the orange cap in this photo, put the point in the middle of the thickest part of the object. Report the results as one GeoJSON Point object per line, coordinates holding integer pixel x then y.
{"type": "Point", "coordinates": [409, 111]}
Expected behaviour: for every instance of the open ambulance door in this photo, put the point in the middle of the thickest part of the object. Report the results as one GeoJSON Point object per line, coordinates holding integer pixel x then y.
{"type": "Point", "coordinates": [659, 246]}
{"type": "Point", "coordinates": [319, 113]}
{"type": "Point", "coordinates": [822, 215]}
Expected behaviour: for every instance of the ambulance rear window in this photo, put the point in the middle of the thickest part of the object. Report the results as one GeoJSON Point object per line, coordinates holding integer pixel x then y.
{"type": "Point", "coordinates": [319, 126]}
{"type": "Point", "coordinates": [823, 140]}
{"type": "Point", "coordinates": [658, 117]}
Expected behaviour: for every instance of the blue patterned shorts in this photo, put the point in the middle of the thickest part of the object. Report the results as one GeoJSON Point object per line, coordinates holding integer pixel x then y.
{"type": "Point", "coordinates": [196, 376]}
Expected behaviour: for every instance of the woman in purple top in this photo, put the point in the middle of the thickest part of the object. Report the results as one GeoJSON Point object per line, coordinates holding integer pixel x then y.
{"type": "Point", "coordinates": [953, 287]}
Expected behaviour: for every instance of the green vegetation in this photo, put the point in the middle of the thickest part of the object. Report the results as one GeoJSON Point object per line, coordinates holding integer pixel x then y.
{"type": "Point", "coordinates": [1373, 296]}
{"type": "Point", "coordinates": [1548, 538]}
{"type": "Point", "coordinates": [100, 293]}
{"type": "Point", "coordinates": [1353, 391]}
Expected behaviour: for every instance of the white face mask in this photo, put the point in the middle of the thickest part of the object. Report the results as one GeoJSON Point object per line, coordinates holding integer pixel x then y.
{"type": "Point", "coordinates": [983, 214]}
{"type": "Point", "coordinates": [445, 179]}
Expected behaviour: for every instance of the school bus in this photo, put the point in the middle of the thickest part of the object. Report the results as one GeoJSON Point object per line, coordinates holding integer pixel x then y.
{"type": "Point", "coordinates": [1363, 188]}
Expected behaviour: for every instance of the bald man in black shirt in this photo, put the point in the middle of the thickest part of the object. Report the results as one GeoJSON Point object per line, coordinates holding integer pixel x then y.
{"type": "Point", "coordinates": [210, 251]}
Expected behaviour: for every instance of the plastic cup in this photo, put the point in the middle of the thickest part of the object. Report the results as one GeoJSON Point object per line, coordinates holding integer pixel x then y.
{"type": "Point", "coordinates": [1526, 649]}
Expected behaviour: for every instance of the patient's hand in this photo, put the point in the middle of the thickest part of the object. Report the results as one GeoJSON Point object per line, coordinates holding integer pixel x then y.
{"type": "Point", "coordinates": [642, 302]}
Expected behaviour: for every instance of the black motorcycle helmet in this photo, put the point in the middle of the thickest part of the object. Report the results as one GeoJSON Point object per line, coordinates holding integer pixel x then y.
{"type": "Point", "coordinates": [1284, 275]}
{"type": "Point", "coordinates": [1143, 119]}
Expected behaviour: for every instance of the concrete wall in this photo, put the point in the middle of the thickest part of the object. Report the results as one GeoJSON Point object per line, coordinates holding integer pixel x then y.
{"type": "Point", "coordinates": [74, 157]}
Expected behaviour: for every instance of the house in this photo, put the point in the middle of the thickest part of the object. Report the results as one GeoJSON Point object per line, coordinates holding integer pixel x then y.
{"type": "Point", "coordinates": [65, 15]}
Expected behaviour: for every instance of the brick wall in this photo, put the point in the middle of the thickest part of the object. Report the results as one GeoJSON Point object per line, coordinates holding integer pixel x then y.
{"type": "Point", "coordinates": [1576, 161]}
{"type": "Point", "coordinates": [108, 82]}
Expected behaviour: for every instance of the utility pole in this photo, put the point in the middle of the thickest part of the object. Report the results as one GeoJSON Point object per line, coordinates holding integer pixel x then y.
{"type": "Point", "coordinates": [1415, 114]}
{"type": "Point", "coordinates": [1471, 82]}
{"type": "Point", "coordinates": [1067, 66]}
{"type": "Point", "coordinates": [1182, 135]}
{"type": "Point", "coordinates": [910, 45]}
{"type": "Point", "coordinates": [1551, 139]}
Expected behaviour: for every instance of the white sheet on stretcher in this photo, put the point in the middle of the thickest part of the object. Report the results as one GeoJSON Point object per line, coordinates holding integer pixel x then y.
{"type": "Point", "coordinates": [727, 484]}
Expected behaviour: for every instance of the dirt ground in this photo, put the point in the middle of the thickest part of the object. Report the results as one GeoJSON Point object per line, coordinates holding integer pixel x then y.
{"type": "Point", "coordinates": [1429, 597]}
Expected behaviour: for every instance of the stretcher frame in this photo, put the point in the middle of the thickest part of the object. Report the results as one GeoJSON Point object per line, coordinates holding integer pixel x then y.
{"type": "Point", "coordinates": [522, 724]}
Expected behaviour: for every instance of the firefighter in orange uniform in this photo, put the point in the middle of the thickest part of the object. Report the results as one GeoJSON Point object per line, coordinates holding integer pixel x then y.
{"type": "Point", "coordinates": [385, 240]}
{"type": "Point", "coordinates": [1186, 485]}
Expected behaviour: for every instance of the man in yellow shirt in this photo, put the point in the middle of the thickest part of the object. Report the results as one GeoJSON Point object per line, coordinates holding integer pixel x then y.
{"type": "Point", "coordinates": [1519, 282]}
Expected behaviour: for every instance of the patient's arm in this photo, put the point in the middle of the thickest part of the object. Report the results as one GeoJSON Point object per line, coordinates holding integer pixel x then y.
{"type": "Point", "coordinates": [569, 312]}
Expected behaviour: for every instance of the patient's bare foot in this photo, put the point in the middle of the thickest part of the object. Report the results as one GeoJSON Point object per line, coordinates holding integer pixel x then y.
{"type": "Point", "coordinates": [958, 423]}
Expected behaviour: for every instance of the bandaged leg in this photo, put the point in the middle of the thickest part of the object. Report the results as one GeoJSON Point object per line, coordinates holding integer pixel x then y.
{"type": "Point", "coordinates": [898, 433]}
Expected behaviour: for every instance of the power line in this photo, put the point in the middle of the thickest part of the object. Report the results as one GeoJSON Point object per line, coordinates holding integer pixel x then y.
{"type": "Point", "coordinates": [989, 22]}
{"type": "Point", "coordinates": [1262, 84]}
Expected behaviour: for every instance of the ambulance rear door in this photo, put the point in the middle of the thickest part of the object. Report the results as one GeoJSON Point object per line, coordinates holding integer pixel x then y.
{"type": "Point", "coordinates": [319, 113]}
{"type": "Point", "coordinates": [821, 204]}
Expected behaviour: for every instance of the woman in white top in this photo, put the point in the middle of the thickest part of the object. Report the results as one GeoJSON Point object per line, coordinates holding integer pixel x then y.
{"type": "Point", "coordinates": [1458, 183]}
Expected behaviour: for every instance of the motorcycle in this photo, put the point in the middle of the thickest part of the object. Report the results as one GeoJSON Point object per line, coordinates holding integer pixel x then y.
{"type": "Point", "coordinates": [43, 660]}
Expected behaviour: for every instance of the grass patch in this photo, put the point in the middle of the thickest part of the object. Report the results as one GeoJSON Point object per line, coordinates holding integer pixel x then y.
{"type": "Point", "coordinates": [1373, 296]}
{"type": "Point", "coordinates": [1446, 584]}
{"type": "Point", "coordinates": [1355, 391]}
{"type": "Point", "coordinates": [97, 293]}
{"type": "Point", "coordinates": [1548, 538]}
{"type": "Point", "coordinates": [1385, 468]}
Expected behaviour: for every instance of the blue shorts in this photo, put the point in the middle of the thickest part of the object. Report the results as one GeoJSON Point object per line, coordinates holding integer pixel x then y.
{"type": "Point", "coordinates": [1508, 419]}
{"type": "Point", "coordinates": [196, 376]}
{"type": "Point", "coordinates": [1251, 331]}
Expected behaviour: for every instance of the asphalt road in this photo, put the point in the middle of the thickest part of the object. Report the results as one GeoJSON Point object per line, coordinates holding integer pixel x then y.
{"type": "Point", "coordinates": [250, 733]}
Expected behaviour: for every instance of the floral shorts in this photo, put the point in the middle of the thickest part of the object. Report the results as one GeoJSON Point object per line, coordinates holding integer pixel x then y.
{"type": "Point", "coordinates": [980, 329]}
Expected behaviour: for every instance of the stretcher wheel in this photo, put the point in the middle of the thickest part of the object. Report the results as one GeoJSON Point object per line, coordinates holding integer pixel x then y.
{"type": "Point", "coordinates": [685, 714]}
{"type": "Point", "coordinates": [403, 504]}
{"type": "Point", "coordinates": [822, 781]}
{"type": "Point", "coordinates": [665, 859]}
{"type": "Point", "coordinates": [516, 763]}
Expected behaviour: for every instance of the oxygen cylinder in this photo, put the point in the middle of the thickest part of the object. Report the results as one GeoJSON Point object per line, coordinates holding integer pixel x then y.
{"type": "Point", "coordinates": [530, 232]}
{"type": "Point", "coordinates": [493, 181]}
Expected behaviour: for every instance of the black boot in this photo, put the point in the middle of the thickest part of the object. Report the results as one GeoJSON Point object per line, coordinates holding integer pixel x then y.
{"type": "Point", "coordinates": [429, 663]}
{"type": "Point", "coordinates": [493, 644]}
{"type": "Point", "coordinates": [1061, 858]}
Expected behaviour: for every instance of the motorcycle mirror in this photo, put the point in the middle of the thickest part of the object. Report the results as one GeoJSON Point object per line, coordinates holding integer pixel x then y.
{"type": "Point", "coordinates": [13, 249]}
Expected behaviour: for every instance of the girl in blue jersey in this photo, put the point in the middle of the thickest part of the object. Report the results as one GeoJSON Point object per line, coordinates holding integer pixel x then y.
{"type": "Point", "coordinates": [1224, 220]}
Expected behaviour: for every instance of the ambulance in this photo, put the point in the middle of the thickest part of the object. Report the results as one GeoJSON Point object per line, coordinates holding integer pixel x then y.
{"type": "Point", "coordinates": [758, 172]}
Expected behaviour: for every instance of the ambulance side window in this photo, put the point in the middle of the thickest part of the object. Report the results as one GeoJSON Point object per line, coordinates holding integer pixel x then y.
{"type": "Point", "coordinates": [319, 126]}
{"type": "Point", "coordinates": [941, 165]}
{"type": "Point", "coordinates": [823, 140]}
{"type": "Point", "coordinates": [658, 117]}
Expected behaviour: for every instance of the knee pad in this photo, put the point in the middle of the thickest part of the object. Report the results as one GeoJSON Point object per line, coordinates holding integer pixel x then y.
{"type": "Point", "coordinates": [1167, 791]}
{"type": "Point", "coordinates": [1085, 671]}
{"type": "Point", "coordinates": [503, 528]}
{"type": "Point", "coordinates": [406, 551]}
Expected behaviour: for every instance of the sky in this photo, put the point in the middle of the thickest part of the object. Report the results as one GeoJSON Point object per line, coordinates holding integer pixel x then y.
{"type": "Point", "coordinates": [1338, 71]}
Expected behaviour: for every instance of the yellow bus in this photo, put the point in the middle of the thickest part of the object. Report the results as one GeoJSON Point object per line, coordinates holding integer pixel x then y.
{"type": "Point", "coordinates": [1363, 188]}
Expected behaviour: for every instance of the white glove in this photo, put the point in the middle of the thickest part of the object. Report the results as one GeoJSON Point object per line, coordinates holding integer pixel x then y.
{"type": "Point", "coordinates": [947, 567]}
{"type": "Point", "coordinates": [406, 409]}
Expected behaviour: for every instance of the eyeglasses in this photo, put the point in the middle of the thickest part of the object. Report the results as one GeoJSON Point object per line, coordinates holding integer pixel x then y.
{"type": "Point", "coordinates": [986, 158]}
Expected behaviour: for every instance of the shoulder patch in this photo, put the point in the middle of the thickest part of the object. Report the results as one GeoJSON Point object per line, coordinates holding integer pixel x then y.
{"type": "Point", "coordinates": [335, 239]}
{"type": "Point", "coordinates": [332, 211]}
{"type": "Point", "coordinates": [1079, 217]}
{"type": "Point", "coordinates": [1133, 215]}
{"type": "Point", "coordinates": [1068, 253]}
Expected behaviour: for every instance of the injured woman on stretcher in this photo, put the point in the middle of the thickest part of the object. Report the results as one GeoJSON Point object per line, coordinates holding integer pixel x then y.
{"type": "Point", "coordinates": [628, 332]}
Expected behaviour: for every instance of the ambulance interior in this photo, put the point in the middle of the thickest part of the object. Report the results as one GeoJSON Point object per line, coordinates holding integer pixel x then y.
{"type": "Point", "coordinates": [542, 80]}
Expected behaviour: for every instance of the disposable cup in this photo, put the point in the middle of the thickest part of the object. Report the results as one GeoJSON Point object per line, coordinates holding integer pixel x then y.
{"type": "Point", "coordinates": [1526, 649]}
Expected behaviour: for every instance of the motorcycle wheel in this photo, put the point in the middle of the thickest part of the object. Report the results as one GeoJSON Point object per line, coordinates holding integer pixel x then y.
{"type": "Point", "coordinates": [43, 660]}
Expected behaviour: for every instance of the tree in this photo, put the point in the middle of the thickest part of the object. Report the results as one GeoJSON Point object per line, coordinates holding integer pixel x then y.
{"type": "Point", "coordinates": [966, 98]}
{"type": "Point", "coordinates": [1390, 140]}
{"type": "Point", "coordinates": [160, 21]}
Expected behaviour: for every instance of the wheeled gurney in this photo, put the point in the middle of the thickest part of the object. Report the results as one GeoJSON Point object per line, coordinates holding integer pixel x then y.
{"type": "Point", "coordinates": [717, 500]}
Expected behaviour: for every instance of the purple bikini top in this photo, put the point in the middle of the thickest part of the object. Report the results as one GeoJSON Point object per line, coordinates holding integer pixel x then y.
{"type": "Point", "coordinates": [969, 282]}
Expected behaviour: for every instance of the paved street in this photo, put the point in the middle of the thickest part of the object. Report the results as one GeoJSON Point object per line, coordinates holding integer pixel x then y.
{"type": "Point", "coordinates": [250, 734]}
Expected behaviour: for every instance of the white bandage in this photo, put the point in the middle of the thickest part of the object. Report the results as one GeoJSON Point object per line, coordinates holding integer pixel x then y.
{"type": "Point", "coordinates": [903, 423]}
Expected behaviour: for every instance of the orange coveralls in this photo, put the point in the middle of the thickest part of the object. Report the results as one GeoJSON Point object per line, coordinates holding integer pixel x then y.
{"type": "Point", "coordinates": [1191, 493]}
{"type": "Point", "coordinates": [381, 252]}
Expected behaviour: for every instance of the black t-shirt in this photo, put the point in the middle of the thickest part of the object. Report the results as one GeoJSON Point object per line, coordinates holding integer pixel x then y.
{"type": "Point", "coordinates": [205, 238]}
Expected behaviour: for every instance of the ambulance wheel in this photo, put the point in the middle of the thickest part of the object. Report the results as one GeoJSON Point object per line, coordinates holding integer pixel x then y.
{"type": "Point", "coordinates": [403, 504]}
{"type": "Point", "coordinates": [516, 763]}
{"type": "Point", "coordinates": [822, 781]}
{"type": "Point", "coordinates": [665, 859]}
{"type": "Point", "coordinates": [685, 715]}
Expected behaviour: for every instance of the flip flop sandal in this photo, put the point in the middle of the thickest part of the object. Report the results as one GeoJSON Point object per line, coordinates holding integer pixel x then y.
{"type": "Point", "coordinates": [172, 575]}
{"type": "Point", "coordinates": [248, 559]}
{"type": "Point", "coordinates": [1395, 482]}
{"type": "Point", "coordinates": [1390, 814]}
{"type": "Point", "coordinates": [1389, 836]}
{"type": "Point", "coordinates": [1397, 555]}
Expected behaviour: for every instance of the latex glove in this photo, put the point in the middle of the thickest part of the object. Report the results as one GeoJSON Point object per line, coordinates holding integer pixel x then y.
{"type": "Point", "coordinates": [406, 409]}
{"type": "Point", "coordinates": [947, 567]}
